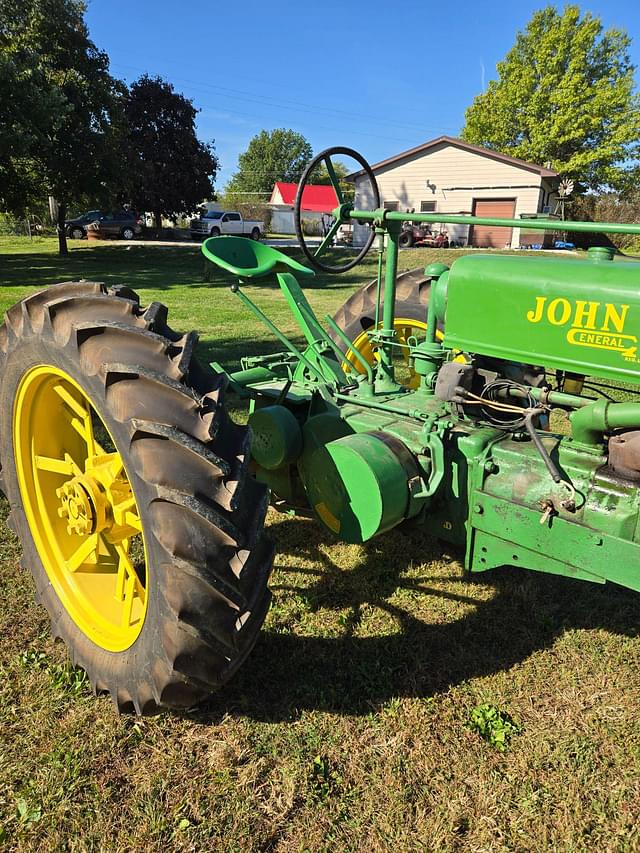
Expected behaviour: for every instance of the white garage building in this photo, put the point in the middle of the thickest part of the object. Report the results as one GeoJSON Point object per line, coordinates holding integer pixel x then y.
{"type": "Point", "coordinates": [448, 175]}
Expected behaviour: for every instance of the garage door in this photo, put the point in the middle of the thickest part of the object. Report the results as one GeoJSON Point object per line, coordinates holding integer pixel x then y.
{"type": "Point", "coordinates": [491, 236]}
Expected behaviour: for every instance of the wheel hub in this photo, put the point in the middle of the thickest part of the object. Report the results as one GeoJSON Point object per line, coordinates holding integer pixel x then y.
{"type": "Point", "coordinates": [76, 507]}
{"type": "Point", "coordinates": [84, 504]}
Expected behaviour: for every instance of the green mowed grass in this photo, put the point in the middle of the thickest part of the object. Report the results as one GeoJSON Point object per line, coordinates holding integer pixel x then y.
{"type": "Point", "coordinates": [354, 723]}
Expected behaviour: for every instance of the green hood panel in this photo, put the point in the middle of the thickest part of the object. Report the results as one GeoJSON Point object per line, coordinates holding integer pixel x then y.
{"type": "Point", "coordinates": [577, 315]}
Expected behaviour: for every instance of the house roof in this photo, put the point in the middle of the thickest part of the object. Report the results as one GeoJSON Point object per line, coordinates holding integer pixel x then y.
{"type": "Point", "coordinates": [465, 146]}
{"type": "Point", "coordinates": [319, 197]}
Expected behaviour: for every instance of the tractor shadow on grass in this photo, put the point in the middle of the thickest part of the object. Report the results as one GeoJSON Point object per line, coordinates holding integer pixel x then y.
{"type": "Point", "coordinates": [436, 626]}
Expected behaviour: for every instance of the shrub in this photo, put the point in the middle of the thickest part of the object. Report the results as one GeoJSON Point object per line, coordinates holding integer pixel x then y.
{"type": "Point", "coordinates": [608, 207]}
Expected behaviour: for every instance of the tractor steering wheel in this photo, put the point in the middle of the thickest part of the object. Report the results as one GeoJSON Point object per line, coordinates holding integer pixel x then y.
{"type": "Point", "coordinates": [314, 256]}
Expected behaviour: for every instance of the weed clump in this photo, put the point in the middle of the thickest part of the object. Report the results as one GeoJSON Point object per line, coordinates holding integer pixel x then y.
{"type": "Point", "coordinates": [493, 725]}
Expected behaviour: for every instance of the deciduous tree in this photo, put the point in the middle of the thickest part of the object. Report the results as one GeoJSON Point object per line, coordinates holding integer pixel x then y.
{"type": "Point", "coordinates": [276, 155]}
{"type": "Point", "coordinates": [320, 175]}
{"type": "Point", "coordinates": [565, 95]}
{"type": "Point", "coordinates": [64, 107]}
{"type": "Point", "coordinates": [172, 171]}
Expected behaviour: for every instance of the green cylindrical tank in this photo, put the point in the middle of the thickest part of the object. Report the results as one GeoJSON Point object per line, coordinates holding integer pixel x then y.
{"type": "Point", "coordinates": [358, 485]}
{"type": "Point", "coordinates": [581, 316]}
{"type": "Point", "coordinates": [277, 437]}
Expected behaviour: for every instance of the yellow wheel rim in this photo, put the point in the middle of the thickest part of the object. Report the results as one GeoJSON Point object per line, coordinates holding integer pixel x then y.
{"type": "Point", "coordinates": [404, 329]}
{"type": "Point", "coordinates": [80, 508]}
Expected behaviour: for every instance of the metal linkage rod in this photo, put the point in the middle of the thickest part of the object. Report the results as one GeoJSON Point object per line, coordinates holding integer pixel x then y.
{"type": "Point", "coordinates": [277, 333]}
{"type": "Point", "coordinates": [529, 224]}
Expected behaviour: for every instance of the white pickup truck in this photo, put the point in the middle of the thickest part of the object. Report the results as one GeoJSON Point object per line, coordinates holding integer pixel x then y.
{"type": "Point", "coordinates": [216, 222]}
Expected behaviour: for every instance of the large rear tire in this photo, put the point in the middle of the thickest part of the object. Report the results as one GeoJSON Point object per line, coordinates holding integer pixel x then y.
{"type": "Point", "coordinates": [357, 316]}
{"type": "Point", "coordinates": [112, 430]}
{"type": "Point", "coordinates": [358, 313]}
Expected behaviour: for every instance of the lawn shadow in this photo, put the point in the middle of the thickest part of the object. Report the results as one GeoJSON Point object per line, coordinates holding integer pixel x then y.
{"type": "Point", "coordinates": [139, 267]}
{"type": "Point", "coordinates": [147, 267]}
{"type": "Point", "coordinates": [508, 614]}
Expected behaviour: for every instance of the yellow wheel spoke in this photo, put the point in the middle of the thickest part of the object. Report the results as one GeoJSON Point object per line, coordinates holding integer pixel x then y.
{"type": "Point", "coordinates": [129, 595]}
{"type": "Point", "coordinates": [75, 405]}
{"type": "Point", "coordinates": [55, 466]}
{"type": "Point", "coordinates": [128, 585]}
{"type": "Point", "coordinates": [124, 506]}
{"type": "Point", "coordinates": [125, 514]}
{"type": "Point", "coordinates": [80, 427]}
{"type": "Point", "coordinates": [132, 519]}
{"type": "Point", "coordinates": [93, 448]}
{"type": "Point", "coordinates": [84, 428]}
{"type": "Point", "coordinates": [115, 464]}
{"type": "Point", "coordinates": [122, 573]}
{"type": "Point", "coordinates": [105, 550]}
{"type": "Point", "coordinates": [118, 534]}
{"type": "Point", "coordinates": [82, 422]}
{"type": "Point", "coordinates": [404, 330]}
{"type": "Point", "coordinates": [108, 469]}
{"type": "Point", "coordinates": [366, 350]}
{"type": "Point", "coordinates": [83, 552]}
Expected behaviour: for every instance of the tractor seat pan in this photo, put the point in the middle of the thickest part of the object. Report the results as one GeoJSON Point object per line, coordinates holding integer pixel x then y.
{"type": "Point", "coordinates": [249, 259]}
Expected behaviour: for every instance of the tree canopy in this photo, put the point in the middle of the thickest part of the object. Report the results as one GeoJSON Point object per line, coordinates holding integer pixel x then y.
{"type": "Point", "coordinates": [565, 95]}
{"type": "Point", "coordinates": [172, 171]}
{"type": "Point", "coordinates": [25, 104]}
{"type": "Point", "coordinates": [276, 155]}
{"type": "Point", "coordinates": [65, 108]}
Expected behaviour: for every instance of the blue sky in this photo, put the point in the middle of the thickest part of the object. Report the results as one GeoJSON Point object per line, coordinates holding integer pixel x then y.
{"type": "Point", "coordinates": [376, 76]}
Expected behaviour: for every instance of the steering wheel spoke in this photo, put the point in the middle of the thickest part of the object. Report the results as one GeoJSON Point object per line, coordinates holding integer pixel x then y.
{"type": "Point", "coordinates": [335, 183]}
{"type": "Point", "coordinates": [331, 233]}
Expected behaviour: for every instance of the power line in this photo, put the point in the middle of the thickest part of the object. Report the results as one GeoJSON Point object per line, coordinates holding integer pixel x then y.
{"type": "Point", "coordinates": [243, 94]}
{"type": "Point", "coordinates": [295, 106]}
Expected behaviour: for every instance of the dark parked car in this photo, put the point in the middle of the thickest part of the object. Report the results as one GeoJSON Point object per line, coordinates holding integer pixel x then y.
{"type": "Point", "coordinates": [126, 224]}
{"type": "Point", "coordinates": [77, 227]}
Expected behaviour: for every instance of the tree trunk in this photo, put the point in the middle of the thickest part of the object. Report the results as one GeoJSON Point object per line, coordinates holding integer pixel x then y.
{"type": "Point", "coordinates": [62, 231]}
{"type": "Point", "coordinates": [157, 218]}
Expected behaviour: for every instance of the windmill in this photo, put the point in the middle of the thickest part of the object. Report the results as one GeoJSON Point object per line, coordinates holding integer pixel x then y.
{"type": "Point", "coordinates": [565, 188]}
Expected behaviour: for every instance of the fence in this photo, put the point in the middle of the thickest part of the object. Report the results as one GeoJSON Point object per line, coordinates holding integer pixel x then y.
{"type": "Point", "coordinates": [10, 226]}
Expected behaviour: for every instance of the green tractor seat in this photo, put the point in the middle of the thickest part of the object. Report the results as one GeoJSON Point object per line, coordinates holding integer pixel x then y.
{"type": "Point", "coordinates": [248, 258]}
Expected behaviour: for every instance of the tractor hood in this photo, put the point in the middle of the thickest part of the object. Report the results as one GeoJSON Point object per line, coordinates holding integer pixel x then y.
{"type": "Point", "coordinates": [577, 315]}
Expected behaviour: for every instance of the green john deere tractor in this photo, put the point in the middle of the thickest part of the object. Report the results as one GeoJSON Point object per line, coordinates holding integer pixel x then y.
{"type": "Point", "coordinates": [140, 504]}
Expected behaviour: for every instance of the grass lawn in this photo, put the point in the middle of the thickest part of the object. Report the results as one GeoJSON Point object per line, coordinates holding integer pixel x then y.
{"type": "Point", "coordinates": [350, 728]}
